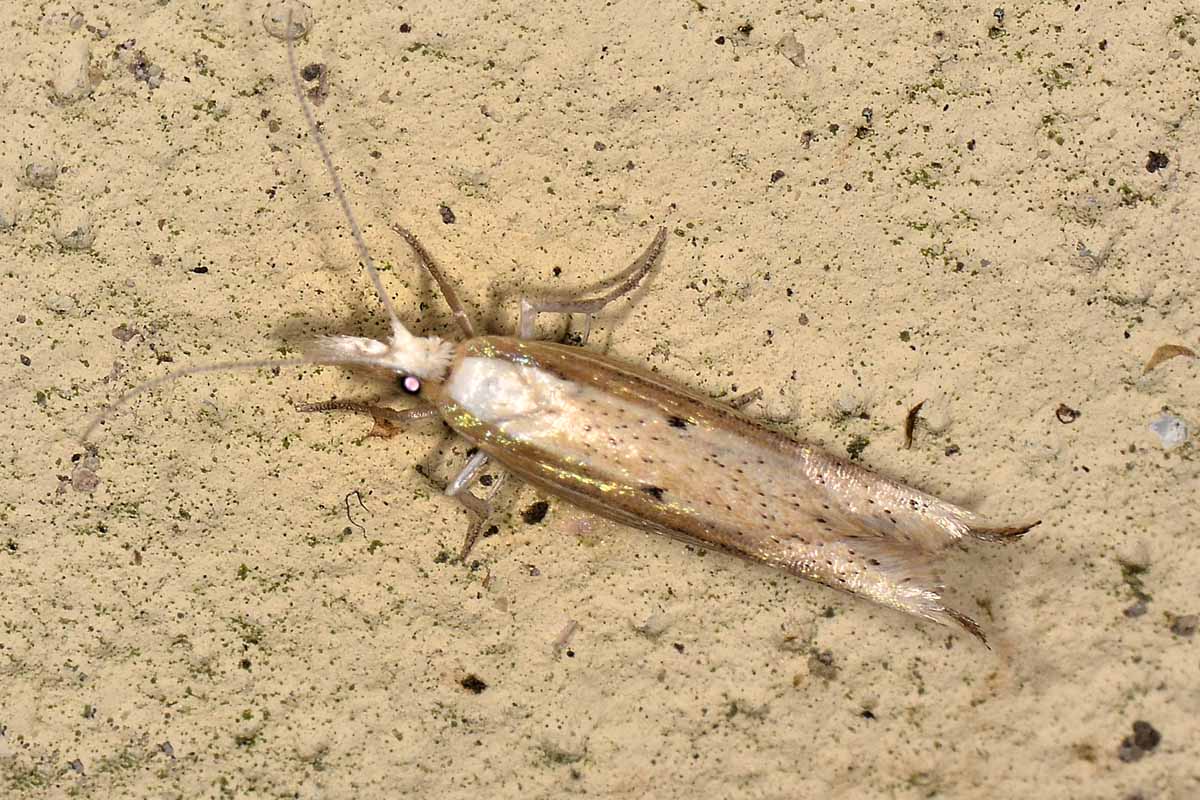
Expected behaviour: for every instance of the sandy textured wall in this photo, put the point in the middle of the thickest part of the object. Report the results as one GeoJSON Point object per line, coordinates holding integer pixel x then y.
{"type": "Point", "coordinates": [871, 205]}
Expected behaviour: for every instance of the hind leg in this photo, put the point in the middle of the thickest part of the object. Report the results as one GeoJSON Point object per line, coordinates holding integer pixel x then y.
{"type": "Point", "coordinates": [626, 281]}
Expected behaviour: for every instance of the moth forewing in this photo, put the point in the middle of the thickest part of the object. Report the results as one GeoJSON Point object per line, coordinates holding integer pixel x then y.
{"type": "Point", "coordinates": [625, 444]}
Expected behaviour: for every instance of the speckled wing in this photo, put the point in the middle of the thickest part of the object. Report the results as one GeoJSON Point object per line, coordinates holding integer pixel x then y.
{"type": "Point", "coordinates": [625, 444]}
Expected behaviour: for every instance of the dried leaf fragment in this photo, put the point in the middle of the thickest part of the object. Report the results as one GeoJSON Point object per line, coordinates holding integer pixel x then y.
{"type": "Point", "coordinates": [1165, 352]}
{"type": "Point", "coordinates": [910, 424]}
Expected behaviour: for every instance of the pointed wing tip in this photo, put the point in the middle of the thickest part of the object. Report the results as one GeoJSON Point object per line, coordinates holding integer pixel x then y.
{"type": "Point", "coordinates": [968, 624]}
{"type": "Point", "coordinates": [1003, 534]}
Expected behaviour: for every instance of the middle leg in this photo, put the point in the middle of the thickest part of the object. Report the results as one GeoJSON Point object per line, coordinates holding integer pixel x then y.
{"type": "Point", "coordinates": [479, 508]}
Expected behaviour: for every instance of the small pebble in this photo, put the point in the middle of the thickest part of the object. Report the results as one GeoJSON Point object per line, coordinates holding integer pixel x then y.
{"type": "Point", "coordinates": [655, 625]}
{"type": "Point", "coordinates": [312, 744]}
{"type": "Point", "coordinates": [73, 81]}
{"type": "Point", "coordinates": [40, 174]}
{"type": "Point", "coordinates": [791, 49]}
{"type": "Point", "coordinates": [1145, 739]}
{"type": "Point", "coordinates": [1066, 415]}
{"type": "Point", "coordinates": [1185, 625]}
{"type": "Point", "coordinates": [61, 303]}
{"type": "Point", "coordinates": [1145, 736]}
{"type": "Point", "coordinates": [74, 231]}
{"type": "Point", "coordinates": [1136, 610]}
{"type": "Point", "coordinates": [1170, 429]}
{"type": "Point", "coordinates": [10, 208]}
{"type": "Point", "coordinates": [935, 415]}
{"type": "Point", "coordinates": [139, 65]}
{"type": "Point", "coordinates": [84, 480]}
{"type": "Point", "coordinates": [447, 214]}
{"type": "Point", "coordinates": [123, 332]}
{"type": "Point", "coordinates": [853, 402]}
{"type": "Point", "coordinates": [822, 665]}
{"type": "Point", "coordinates": [275, 19]}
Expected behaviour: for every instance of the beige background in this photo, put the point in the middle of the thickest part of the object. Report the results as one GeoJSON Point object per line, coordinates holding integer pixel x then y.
{"type": "Point", "coordinates": [206, 622]}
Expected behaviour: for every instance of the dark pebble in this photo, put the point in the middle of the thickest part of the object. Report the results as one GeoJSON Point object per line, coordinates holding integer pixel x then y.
{"type": "Point", "coordinates": [777, 176]}
{"type": "Point", "coordinates": [1156, 161]}
{"type": "Point", "coordinates": [1145, 736]}
{"type": "Point", "coordinates": [473, 684]}
{"type": "Point", "coordinates": [447, 215]}
{"type": "Point", "coordinates": [536, 512]}
{"type": "Point", "coordinates": [1144, 739]}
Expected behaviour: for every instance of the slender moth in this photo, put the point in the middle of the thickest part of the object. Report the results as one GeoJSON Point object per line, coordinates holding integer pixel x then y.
{"type": "Point", "coordinates": [623, 443]}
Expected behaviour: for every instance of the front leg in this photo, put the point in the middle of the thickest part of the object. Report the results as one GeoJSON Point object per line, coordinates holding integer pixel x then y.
{"type": "Point", "coordinates": [388, 421]}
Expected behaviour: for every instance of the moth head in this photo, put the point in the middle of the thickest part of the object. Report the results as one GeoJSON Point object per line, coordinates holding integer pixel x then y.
{"type": "Point", "coordinates": [425, 357]}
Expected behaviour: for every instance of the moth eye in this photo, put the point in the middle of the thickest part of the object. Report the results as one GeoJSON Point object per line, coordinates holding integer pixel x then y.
{"type": "Point", "coordinates": [410, 384]}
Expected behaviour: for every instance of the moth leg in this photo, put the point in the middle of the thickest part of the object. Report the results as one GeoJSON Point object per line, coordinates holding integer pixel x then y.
{"type": "Point", "coordinates": [388, 421]}
{"type": "Point", "coordinates": [435, 272]}
{"type": "Point", "coordinates": [626, 281]}
{"type": "Point", "coordinates": [467, 475]}
{"type": "Point", "coordinates": [479, 508]}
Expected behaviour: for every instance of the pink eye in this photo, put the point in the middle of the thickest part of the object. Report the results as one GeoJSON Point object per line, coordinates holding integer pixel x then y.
{"type": "Point", "coordinates": [411, 384]}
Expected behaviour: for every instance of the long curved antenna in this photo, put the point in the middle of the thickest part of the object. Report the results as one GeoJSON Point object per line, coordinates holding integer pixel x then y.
{"type": "Point", "coordinates": [142, 388]}
{"type": "Point", "coordinates": [319, 358]}
{"type": "Point", "coordinates": [315, 132]}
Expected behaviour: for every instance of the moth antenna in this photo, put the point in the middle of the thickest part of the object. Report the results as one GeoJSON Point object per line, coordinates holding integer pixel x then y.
{"type": "Point", "coordinates": [323, 355]}
{"type": "Point", "coordinates": [319, 355]}
{"type": "Point", "coordinates": [360, 244]}
{"type": "Point", "coordinates": [116, 405]}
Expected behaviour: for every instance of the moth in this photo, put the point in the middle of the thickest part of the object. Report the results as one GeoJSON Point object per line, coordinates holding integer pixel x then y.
{"type": "Point", "coordinates": [621, 442]}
